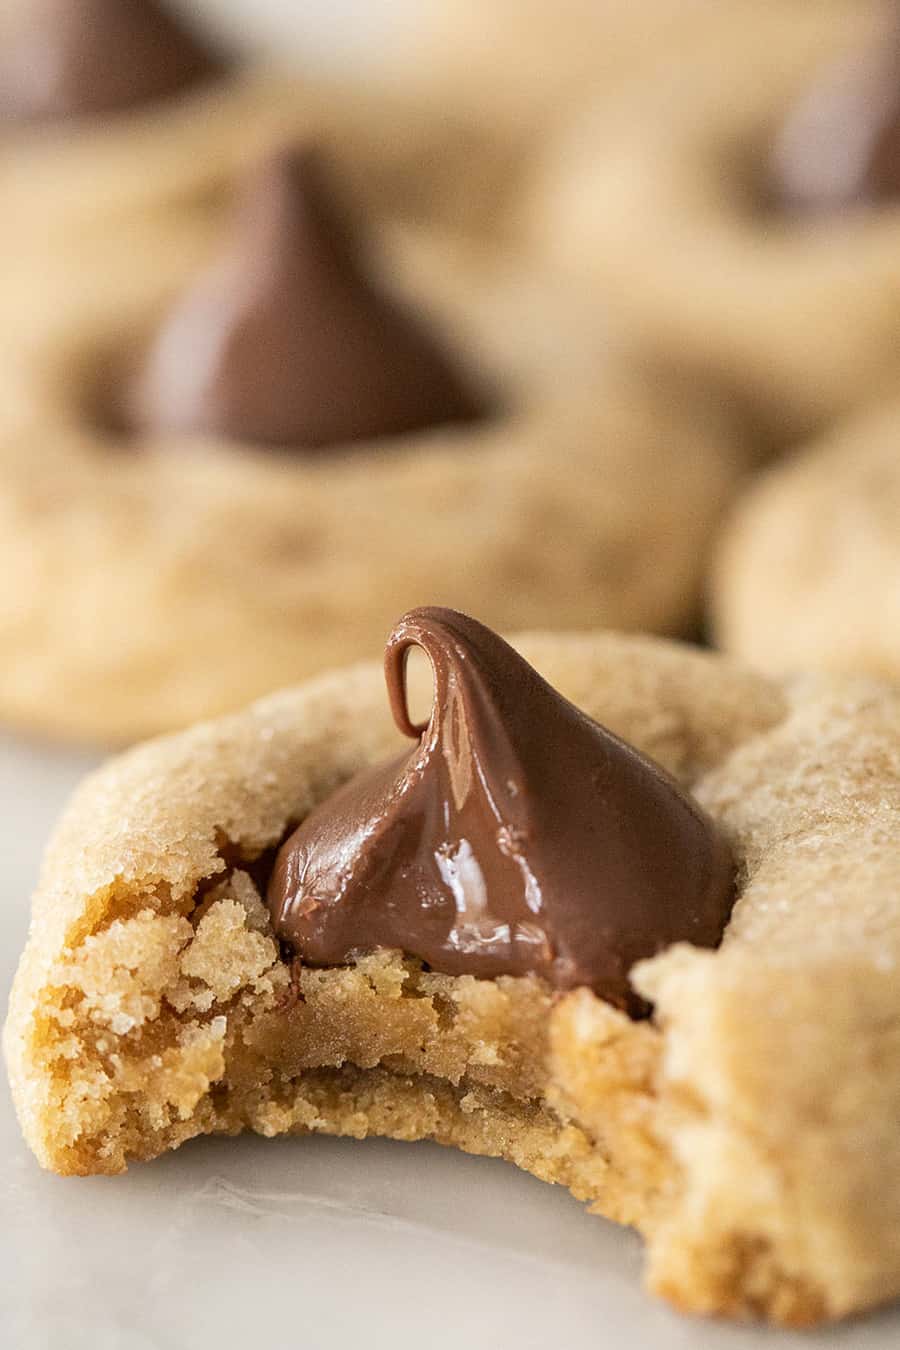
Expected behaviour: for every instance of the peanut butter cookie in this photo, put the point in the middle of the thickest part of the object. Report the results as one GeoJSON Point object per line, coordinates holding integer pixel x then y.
{"type": "Point", "coordinates": [740, 206]}
{"type": "Point", "coordinates": [233, 446]}
{"type": "Point", "coordinates": [184, 974]}
{"type": "Point", "coordinates": [114, 110]}
{"type": "Point", "coordinates": [807, 573]}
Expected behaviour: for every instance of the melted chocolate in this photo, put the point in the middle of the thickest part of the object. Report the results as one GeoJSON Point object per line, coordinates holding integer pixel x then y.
{"type": "Point", "coordinates": [85, 58]}
{"type": "Point", "coordinates": [840, 146]}
{"type": "Point", "coordinates": [284, 341]}
{"type": "Point", "coordinates": [518, 836]}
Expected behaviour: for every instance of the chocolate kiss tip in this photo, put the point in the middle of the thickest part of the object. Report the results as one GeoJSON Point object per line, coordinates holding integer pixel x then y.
{"type": "Point", "coordinates": [518, 837]}
{"type": "Point", "coordinates": [840, 145]}
{"type": "Point", "coordinates": [285, 342]}
{"type": "Point", "coordinates": [82, 58]}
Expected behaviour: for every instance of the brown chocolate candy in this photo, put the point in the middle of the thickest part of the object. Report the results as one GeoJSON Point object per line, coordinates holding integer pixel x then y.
{"type": "Point", "coordinates": [284, 341]}
{"type": "Point", "coordinates": [518, 836]}
{"type": "Point", "coordinates": [840, 146]}
{"type": "Point", "coordinates": [84, 58]}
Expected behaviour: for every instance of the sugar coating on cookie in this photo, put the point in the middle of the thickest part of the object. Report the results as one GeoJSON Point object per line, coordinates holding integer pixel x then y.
{"type": "Point", "coordinates": [742, 1130]}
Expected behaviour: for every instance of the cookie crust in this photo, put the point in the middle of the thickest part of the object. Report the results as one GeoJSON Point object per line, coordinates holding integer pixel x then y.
{"type": "Point", "coordinates": [749, 1130]}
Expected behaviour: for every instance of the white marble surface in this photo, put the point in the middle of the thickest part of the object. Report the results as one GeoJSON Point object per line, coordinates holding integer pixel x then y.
{"type": "Point", "coordinates": [321, 1243]}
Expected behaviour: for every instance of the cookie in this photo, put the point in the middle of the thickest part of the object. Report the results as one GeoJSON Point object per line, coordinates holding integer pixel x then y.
{"type": "Point", "coordinates": [807, 572]}
{"type": "Point", "coordinates": [234, 446]}
{"type": "Point", "coordinates": [527, 64]}
{"type": "Point", "coordinates": [747, 1128]}
{"type": "Point", "coordinates": [113, 110]}
{"type": "Point", "coordinates": [701, 203]}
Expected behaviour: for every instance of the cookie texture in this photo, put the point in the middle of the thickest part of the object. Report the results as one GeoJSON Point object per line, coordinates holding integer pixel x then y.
{"type": "Point", "coordinates": [748, 1130]}
{"type": "Point", "coordinates": [163, 578]}
{"type": "Point", "coordinates": [807, 572]}
{"type": "Point", "coordinates": [660, 196]}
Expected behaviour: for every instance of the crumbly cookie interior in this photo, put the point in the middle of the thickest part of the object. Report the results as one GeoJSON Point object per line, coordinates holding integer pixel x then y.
{"type": "Point", "coordinates": [168, 1023]}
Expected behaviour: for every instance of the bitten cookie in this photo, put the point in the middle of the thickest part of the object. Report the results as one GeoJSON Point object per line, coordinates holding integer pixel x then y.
{"type": "Point", "coordinates": [747, 1128]}
{"type": "Point", "coordinates": [807, 573]}
{"type": "Point", "coordinates": [741, 206]}
{"type": "Point", "coordinates": [233, 447]}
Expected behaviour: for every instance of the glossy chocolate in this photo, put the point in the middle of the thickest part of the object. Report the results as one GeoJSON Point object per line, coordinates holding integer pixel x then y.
{"type": "Point", "coordinates": [284, 341]}
{"type": "Point", "coordinates": [518, 836]}
{"type": "Point", "coordinates": [840, 146]}
{"type": "Point", "coordinates": [86, 58]}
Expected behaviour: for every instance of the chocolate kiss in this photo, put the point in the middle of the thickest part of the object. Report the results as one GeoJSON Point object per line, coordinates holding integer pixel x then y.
{"type": "Point", "coordinates": [518, 836]}
{"type": "Point", "coordinates": [840, 147]}
{"type": "Point", "coordinates": [285, 342]}
{"type": "Point", "coordinates": [80, 58]}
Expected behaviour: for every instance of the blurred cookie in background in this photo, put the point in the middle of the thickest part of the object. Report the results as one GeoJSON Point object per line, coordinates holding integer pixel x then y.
{"type": "Point", "coordinates": [742, 206]}
{"type": "Point", "coordinates": [808, 569]}
{"type": "Point", "coordinates": [527, 64]}
{"type": "Point", "coordinates": [229, 469]}
{"type": "Point", "coordinates": [117, 107]}
{"type": "Point", "coordinates": [64, 63]}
